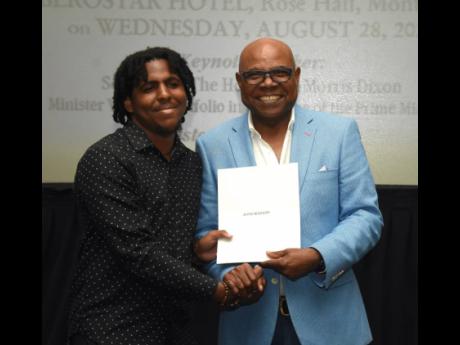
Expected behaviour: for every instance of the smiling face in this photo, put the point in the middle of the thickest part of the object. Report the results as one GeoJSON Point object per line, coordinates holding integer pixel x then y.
{"type": "Point", "coordinates": [269, 100]}
{"type": "Point", "coordinates": [158, 105]}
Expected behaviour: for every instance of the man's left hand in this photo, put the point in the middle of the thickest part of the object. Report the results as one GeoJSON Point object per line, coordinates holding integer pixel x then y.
{"type": "Point", "coordinates": [293, 262]}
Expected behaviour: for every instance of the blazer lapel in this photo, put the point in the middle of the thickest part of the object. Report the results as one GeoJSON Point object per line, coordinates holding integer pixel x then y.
{"type": "Point", "coordinates": [241, 144]}
{"type": "Point", "coordinates": [303, 136]}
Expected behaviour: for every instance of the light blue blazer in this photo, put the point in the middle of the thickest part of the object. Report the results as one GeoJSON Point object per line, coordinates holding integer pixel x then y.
{"type": "Point", "coordinates": [339, 217]}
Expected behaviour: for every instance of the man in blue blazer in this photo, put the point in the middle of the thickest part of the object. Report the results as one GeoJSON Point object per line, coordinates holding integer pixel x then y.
{"type": "Point", "coordinates": [311, 295]}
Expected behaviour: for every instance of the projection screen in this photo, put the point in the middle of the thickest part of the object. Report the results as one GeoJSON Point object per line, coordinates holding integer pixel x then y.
{"type": "Point", "coordinates": [358, 58]}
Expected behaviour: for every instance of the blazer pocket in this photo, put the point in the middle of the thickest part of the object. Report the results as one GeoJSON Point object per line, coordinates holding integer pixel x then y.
{"type": "Point", "coordinates": [323, 174]}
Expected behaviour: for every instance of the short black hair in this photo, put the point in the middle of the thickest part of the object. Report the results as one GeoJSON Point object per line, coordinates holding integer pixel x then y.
{"type": "Point", "coordinates": [132, 72]}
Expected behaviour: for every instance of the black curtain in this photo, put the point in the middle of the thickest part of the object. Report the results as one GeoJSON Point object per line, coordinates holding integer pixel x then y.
{"type": "Point", "coordinates": [387, 275]}
{"type": "Point", "coordinates": [60, 238]}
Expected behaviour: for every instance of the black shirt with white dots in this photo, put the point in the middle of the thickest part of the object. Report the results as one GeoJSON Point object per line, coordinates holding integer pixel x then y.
{"type": "Point", "coordinates": [134, 275]}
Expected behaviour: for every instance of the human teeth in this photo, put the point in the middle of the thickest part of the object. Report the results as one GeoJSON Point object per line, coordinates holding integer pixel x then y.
{"type": "Point", "coordinates": [269, 98]}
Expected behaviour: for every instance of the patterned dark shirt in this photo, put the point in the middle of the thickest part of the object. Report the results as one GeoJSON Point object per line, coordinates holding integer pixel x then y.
{"type": "Point", "coordinates": [135, 275]}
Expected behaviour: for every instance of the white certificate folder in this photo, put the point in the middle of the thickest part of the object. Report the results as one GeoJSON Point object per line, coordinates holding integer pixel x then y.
{"type": "Point", "coordinates": [259, 206]}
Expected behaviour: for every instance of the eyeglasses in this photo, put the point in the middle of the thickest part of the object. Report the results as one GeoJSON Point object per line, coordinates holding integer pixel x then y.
{"type": "Point", "coordinates": [279, 75]}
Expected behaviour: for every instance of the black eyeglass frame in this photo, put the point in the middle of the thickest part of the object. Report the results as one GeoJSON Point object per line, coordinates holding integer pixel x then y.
{"type": "Point", "coordinates": [264, 73]}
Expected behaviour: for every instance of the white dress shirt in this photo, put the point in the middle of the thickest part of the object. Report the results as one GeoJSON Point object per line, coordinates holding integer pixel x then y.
{"type": "Point", "coordinates": [264, 154]}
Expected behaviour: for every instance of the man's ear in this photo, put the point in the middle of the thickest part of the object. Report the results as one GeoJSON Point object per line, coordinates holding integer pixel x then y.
{"type": "Point", "coordinates": [128, 104]}
{"type": "Point", "coordinates": [238, 79]}
{"type": "Point", "coordinates": [297, 74]}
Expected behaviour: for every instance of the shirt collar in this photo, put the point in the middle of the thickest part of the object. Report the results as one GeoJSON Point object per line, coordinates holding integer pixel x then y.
{"type": "Point", "coordinates": [254, 132]}
{"type": "Point", "coordinates": [136, 136]}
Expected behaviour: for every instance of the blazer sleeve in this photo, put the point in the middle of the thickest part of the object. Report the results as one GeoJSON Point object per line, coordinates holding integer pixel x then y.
{"type": "Point", "coordinates": [208, 216]}
{"type": "Point", "coordinates": [360, 220]}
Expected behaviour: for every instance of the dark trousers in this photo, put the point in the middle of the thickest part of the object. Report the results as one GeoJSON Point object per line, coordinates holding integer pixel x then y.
{"type": "Point", "coordinates": [284, 332]}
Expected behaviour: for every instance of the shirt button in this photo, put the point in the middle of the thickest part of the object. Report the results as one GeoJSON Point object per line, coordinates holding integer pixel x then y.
{"type": "Point", "coordinates": [274, 281]}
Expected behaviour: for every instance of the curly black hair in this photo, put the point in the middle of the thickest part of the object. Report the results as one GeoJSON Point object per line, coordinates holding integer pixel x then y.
{"type": "Point", "coordinates": [132, 72]}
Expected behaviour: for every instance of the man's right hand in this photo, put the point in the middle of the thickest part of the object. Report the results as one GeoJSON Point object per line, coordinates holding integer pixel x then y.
{"type": "Point", "coordinates": [246, 282]}
{"type": "Point", "coordinates": [206, 247]}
